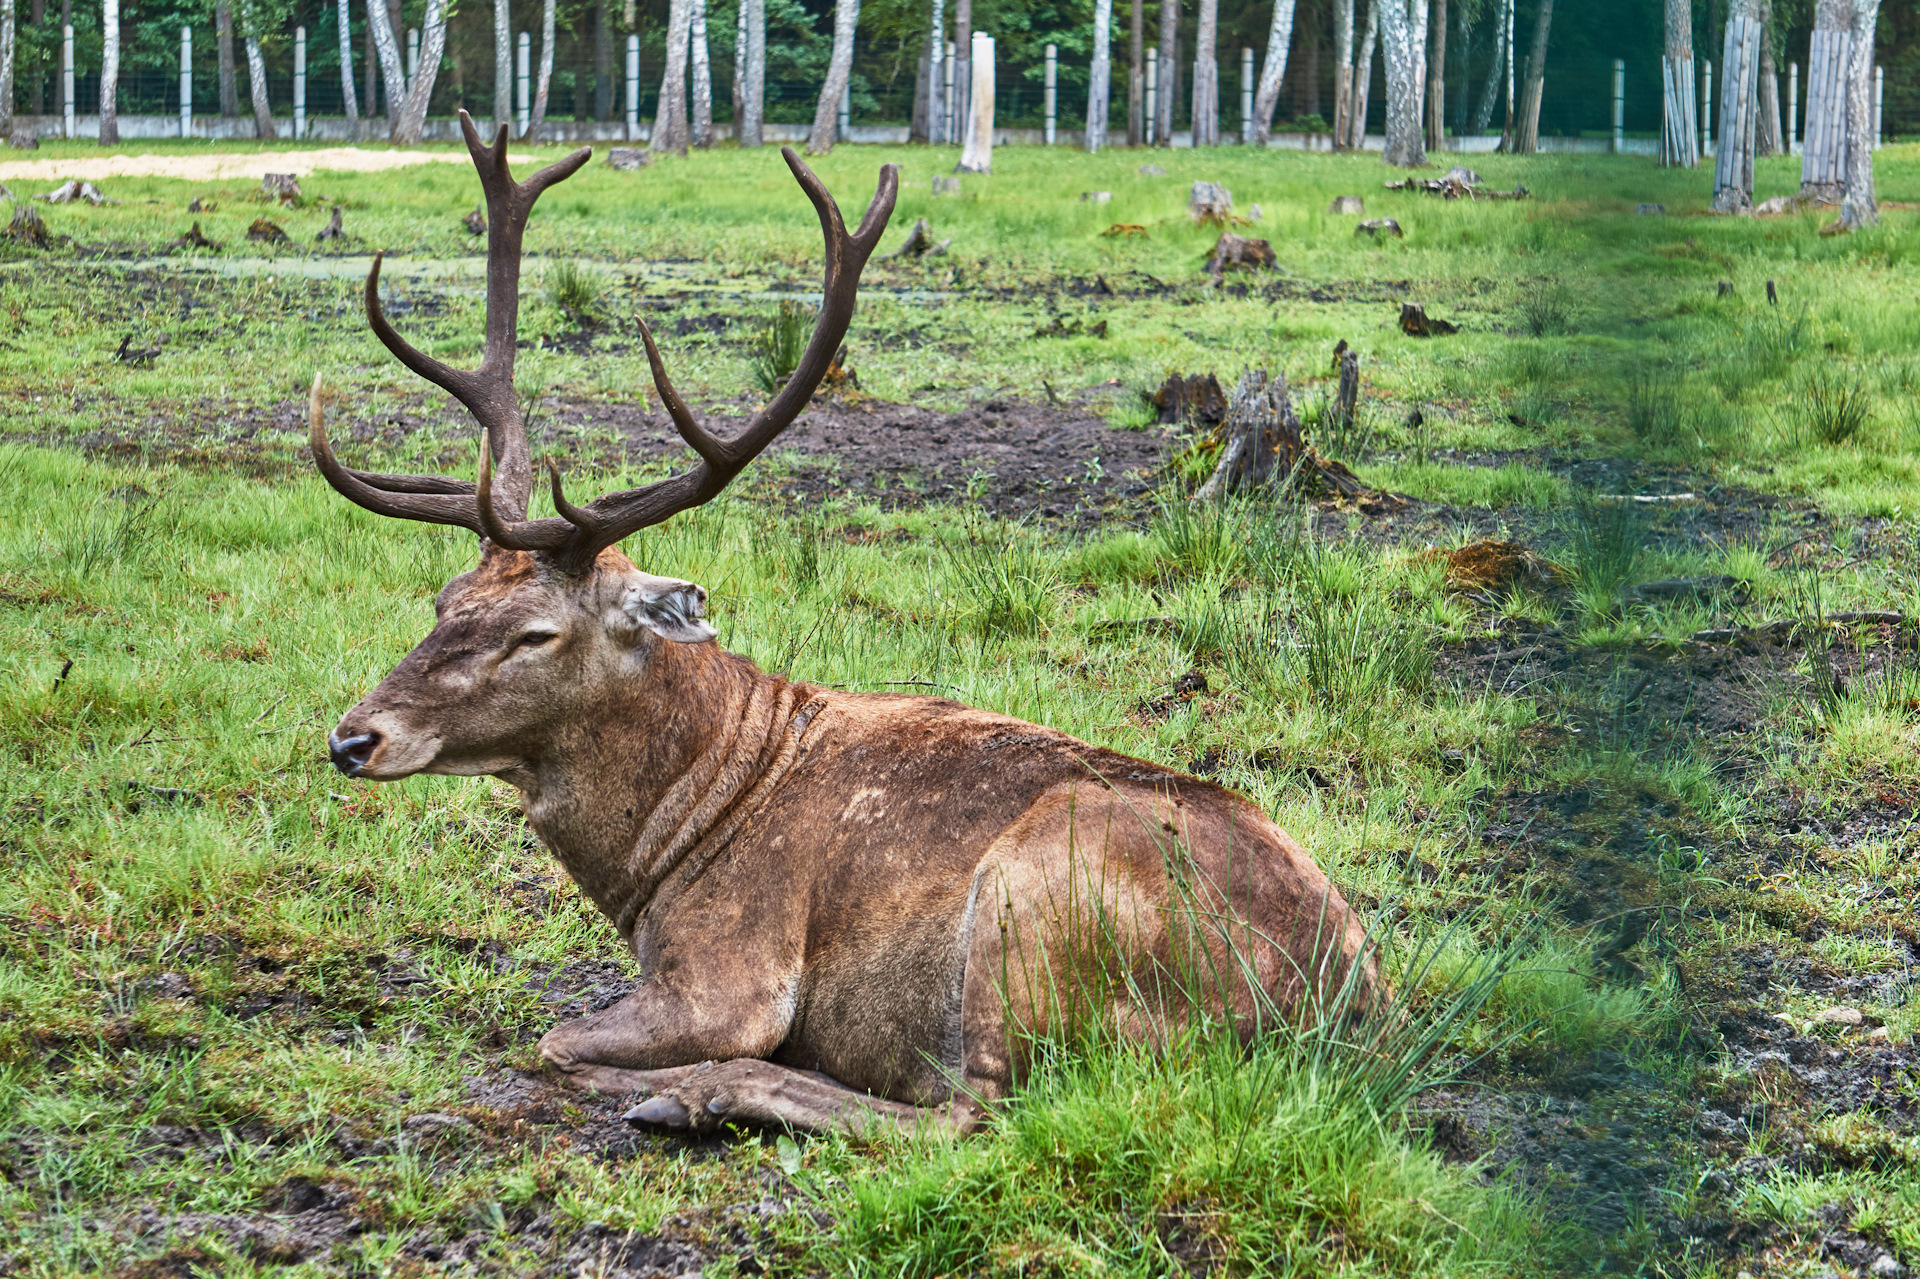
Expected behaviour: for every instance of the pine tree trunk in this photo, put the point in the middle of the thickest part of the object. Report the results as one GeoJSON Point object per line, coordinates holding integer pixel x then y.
{"type": "Point", "coordinates": [433, 42]}
{"type": "Point", "coordinates": [538, 115]}
{"type": "Point", "coordinates": [826, 114]}
{"type": "Point", "coordinates": [1136, 76]}
{"type": "Point", "coordinates": [1768, 140]}
{"type": "Point", "coordinates": [109, 73]}
{"type": "Point", "coordinates": [1169, 59]}
{"type": "Point", "coordinates": [1100, 76]}
{"type": "Point", "coordinates": [1739, 109]}
{"type": "Point", "coordinates": [1527, 141]}
{"type": "Point", "coordinates": [392, 71]}
{"type": "Point", "coordinates": [1437, 78]}
{"type": "Point", "coordinates": [756, 91]}
{"type": "Point", "coordinates": [1858, 207]}
{"type": "Point", "coordinates": [1403, 39]}
{"type": "Point", "coordinates": [1680, 126]}
{"type": "Point", "coordinates": [1279, 40]}
{"type": "Point", "coordinates": [1342, 70]}
{"type": "Point", "coordinates": [1206, 76]}
{"type": "Point", "coordinates": [223, 38]}
{"type": "Point", "coordinates": [670, 130]}
{"type": "Point", "coordinates": [697, 52]}
{"type": "Point", "coordinates": [348, 98]}
{"type": "Point", "coordinates": [1363, 78]}
{"type": "Point", "coordinates": [502, 63]}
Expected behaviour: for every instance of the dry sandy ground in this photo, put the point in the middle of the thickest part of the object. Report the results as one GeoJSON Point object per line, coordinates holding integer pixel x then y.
{"type": "Point", "coordinates": [207, 168]}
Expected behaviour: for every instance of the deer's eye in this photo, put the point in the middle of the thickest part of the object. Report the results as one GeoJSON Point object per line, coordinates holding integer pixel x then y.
{"type": "Point", "coordinates": [533, 639]}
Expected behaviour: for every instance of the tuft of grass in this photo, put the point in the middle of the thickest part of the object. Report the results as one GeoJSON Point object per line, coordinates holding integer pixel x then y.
{"type": "Point", "coordinates": [1544, 309]}
{"type": "Point", "coordinates": [1008, 585]}
{"type": "Point", "coordinates": [578, 291]}
{"type": "Point", "coordinates": [778, 345]}
{"type": "Point", "coordinates": [1833, 408]}
{"type": "Point", "coordinates": [1654, 411]}
{"type": "Point", "coordinates": [1605, 542]}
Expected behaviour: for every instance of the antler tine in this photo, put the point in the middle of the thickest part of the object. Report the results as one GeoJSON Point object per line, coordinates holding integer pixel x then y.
{"type": "Point", "coordinates": [516, 535]}
{"type": "Point", "coordinates": [712, 451]}
{"type": "Point", "coordinates": [412, 497]}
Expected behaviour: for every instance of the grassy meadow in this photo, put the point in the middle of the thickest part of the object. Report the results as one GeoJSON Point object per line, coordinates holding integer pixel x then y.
{"type": "Point", "coordinates": [256, 1018]}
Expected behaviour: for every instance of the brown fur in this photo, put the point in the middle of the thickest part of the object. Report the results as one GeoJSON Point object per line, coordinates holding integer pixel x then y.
{"type": "Point", "coordinates": [829, 891]}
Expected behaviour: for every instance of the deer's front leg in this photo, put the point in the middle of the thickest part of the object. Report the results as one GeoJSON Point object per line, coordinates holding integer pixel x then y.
{"type": "Point", "coordinates": [664, 1028]}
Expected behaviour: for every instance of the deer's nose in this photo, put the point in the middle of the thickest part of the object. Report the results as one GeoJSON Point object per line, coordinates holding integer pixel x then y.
{"type": "Point", "coordinates": [350, 754]}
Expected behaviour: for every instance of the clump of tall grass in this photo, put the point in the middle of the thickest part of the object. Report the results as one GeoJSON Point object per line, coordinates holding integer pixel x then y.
{"type": "Point", "coordinates": [1654, 411]}
{"type": "Point", "coordinates": [1544, 310]}
{"type": "Point", "coordinates": [577, 291]}
{"type": "Point", "coordinates": [1006, 583]}
{"type": "Point", "coordinates": [779, 344]}
{"type": "Point", "coordinates": [1604, 543]}
{"type": "Point", "coordinates": [1833, 409]}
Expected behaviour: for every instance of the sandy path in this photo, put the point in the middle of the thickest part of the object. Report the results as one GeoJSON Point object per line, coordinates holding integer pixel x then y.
{"type": "Point", "coordinates": [206, 168]}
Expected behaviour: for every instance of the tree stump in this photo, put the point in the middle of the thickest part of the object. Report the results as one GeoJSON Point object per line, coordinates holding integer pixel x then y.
{"type": "Point", "coordinates": [1343, 204]}
{"type": "Point", "coordinates": [1210, 202]}
{"type": "Point", "coordinates": [1415, 322]}
{"type": "Point", "coordinates": [1262, 446]}
{"type": "Point", "coordinates": [193, 239]}
{"type": "Point", "coordinates": [919, 244]}
{"type": "Point", "coordinates": [74, 189]}
{"type": "Point", "coordinates": [1240, 251]}
{"type": "Point", "coordinates": [331, 231]}
{"type": "Point", "coordinates": [1377, 227]}
{"type": "Point", "coordinates": [475, 222]}
{"type": "Point", "coordinates": [265, 232]}
{"type": "Point", "coordinates": [24, 139]}
{"type": "Point", "coordinates": [1346, 400]}
{"type": "Point", "coordinates": [281, 187]}
{"type": "Point", "coordinates": [28, 227]}
{"type": "Point", "coordinates": [1190, 401]}
{"type": "Point", "coordinates": [628, 159]}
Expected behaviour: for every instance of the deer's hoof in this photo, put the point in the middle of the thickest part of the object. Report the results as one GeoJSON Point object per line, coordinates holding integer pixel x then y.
{"type": "Point", "coordinates": [661, 1110]}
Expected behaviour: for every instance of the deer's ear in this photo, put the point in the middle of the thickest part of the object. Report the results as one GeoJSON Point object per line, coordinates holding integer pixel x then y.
{"type": "Point", "coordinates": [667, 606]}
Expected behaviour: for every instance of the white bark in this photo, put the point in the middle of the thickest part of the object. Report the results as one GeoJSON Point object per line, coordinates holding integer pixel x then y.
{"type": "Point", "coordinates": [1502, 39]}
{"type": "Point", "coordinates": [257, 79]}
{"type": "Point", "coordinates": [1100, 75]}
{"type": "Point", "coordinates": [936, 85]}
{"type": "Point", "coordinates": [1680, 127]}
{"type": "Point", "coordinates": [1342, 69]}
{"type": "Point", "coordinates": [392, 72]}
{"type": "Point", "coordinates": [6, 67]}
{"type": "Point", "coordinates": [347, 95]}
{"type": "Point", "coordinates": [826, 115]}
{"type": "Point", "coordinates": [538, 115]}
{"type": "Point", "coordinates": [1206, 76]}
{"type": "Point", "coordinates": [433, 42]}
{"type": "Point", "coordinates": [1279, 40]}
{"type": "Point", "coordinates": [670, 131]}
{"type": "Point", "coordinates": [502, 63]}
{"type": "Point", "coordinates": [1858, 207]}
{"type": "Point", "coordinates": [739, 65]}
{"type": "Point", "coordinates": [1823, 164]}
{"type": "Point", "coordinates": [756, 95]}
{"type": "Point", "coordinates": [976, 152]}
{"type": "Point", "coordinates": [1739, 110]}
{"type": "Point", "coordinates": [702, 76]}
{"type": "Point", "coordinates": [1403, 39]}
{"type": "Point", "coordinates": [1363, 78]}
{"type": "Point", "coordinates": [109, 73]}
{"type": "Point", "coordinates": [1163, 101]}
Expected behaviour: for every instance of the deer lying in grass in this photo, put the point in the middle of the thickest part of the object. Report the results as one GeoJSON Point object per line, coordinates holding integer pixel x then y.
{"type": "Point", "coordinates": [846, 908]}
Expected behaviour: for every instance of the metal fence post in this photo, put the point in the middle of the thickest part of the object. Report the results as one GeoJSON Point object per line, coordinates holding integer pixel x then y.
{"type": "Point", "coordinates": [1619, 105]}
{"type": "Point", "coordinates": [1153, 91]}
{"type": "Point", "coordinates": [522, 69]}
{"type": "Point", "coordinates": [1879, 94]}
{"type": "Point", "coordinates": [66, 76]}
{"type": "Point", "coordinates": [951, 132]}
{"type": "Point", "coordinates": [1793, 107]}
{"type": "Point", "coordinates": [186, 82]}
{"type": "Point", "coordinates": [299, 82]}
{"type": "Point", "coordinates": [1246, 94]}
{"type": "Point", "coordinates": [1052, 89]}
{"type": "Point", "coordinates": [633, 88]}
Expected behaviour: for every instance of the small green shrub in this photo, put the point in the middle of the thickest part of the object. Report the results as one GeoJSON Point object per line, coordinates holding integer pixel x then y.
{"type": "Point", "coordinates": [577, 291]}
{"type": "Point", "coordinates": [778, 346]}
{"type": "Point", "coordinates": [1544, 309]}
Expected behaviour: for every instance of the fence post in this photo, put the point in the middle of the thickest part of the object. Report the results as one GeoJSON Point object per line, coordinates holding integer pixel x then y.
{"type": "Point", "coordinates": [1619, 105]}
{"type": "Point", "coordinates": [523, 73]}
{"type": "Point", "coordinates": [1706, 107]}
{"type": "Point", "coordinates": [66, 76]}
{"type": "Point", "coordinates": [186, 82]}
{"type": "Point", "coordinates": [950, 131]}
{"type": "Point", "coordinates": [1246, 95]}
{"type": "Point", "coordinates": [1879, 93]}
{"type": "Point", "coordinates": [1153, 91]}
{"type": "Point", "coordinates": [299, 82]}
{"type": "Point", "coordinates": [1052, 89]}
{"type": "Point", "coordinates": [633, 89]}
{"type": "Point", "coordinates": [1792, 108]}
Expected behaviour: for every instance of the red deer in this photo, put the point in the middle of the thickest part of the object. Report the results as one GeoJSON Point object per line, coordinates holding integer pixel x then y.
{"type": "Point", "coordinates": [846, 908]}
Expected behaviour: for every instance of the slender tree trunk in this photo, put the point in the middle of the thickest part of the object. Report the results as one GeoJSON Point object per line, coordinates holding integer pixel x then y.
{"type": "Point", "coordinates": [109, 73]}
{"type": "Point", "coordinates": [1342, 71]}
{"type": "Point", "coordinates": [1463, 41]}
{"type": "Point", "coordinates": [1169, 62]}
{"type": "Point", "coordinates": [36, 96]}
{"type": "Point", "coordinates": [537, 116]}
{"type": "Point", "coordinates": [962, 68]}
{"type": "Point", "coordinates": [1312, 78]}
{"type": "Point", "coordinates": [1437, 78]}
{"type": "Point", "coordinates": [348, 98]}
{"type": "Point", "coordinates": [1680, 127]}
{"type": "Point", "coordinates": [433, 42]}
{"type": "Point", "coordinates": [223, 37]}
{"type": "Point", "coordinates": [1858, 208]}
{"type": "Point", "coordinates": [756, 91]}
{"type": "Point", "coordinates": [1206, 75]}
{"type": "Point", "coordinates": [1502, 33]}
{"type": "Point", "coordinates": [1136, 77]}
{"type": "Point", "coordinates": [392, 70]}
{"type": "Point", "coordinates": [1403, 35]}
{"type": "Point", "coordinates": [1739, 109]}
{"type": "Point", "coordinates": [670, 126]}
{"type": "Point", "coordinates": [1100, 76]}
{"type": "Point", "coordinates": [6, 67]}
{"type": "Point", "coordinates": [1768, 140]}
{"type": "Point", "coordinates": [1279, 40]}
{"type": "Point", "coordinates": [1363, 78]}
{"type": "Point", "coordinates": [1528, 140]}
{"type": "Point", "coordinates": [502, 62]}
{"type": "Point", "coordinates": [937, 104]}
{"type": "Point", "coordinates": [1823, 162]}
{"type": "Point", "coordinates": [602, 63]}
{"type": "Point", "coordinates": [826, 114]}
{"type": "Point", "coordinates": [702, 107]}
{"type": "Point", "coordinates": [257, 82]}
{"type": "Point", "coordinates": [739, 66]}
{"type": "Point", "coordinates": [373, 71]}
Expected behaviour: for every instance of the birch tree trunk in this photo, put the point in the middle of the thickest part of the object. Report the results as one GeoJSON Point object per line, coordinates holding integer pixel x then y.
{"type": "Point", "coordinates": [1858, 208]}
{"type": "Point", "coordinates": [502, 63]}
{"type": "Point", "coordinates": [702, 110]}
{"type": "Point", "coordinates": [755, 94]}
{"type": "Point", "coordinates": [1680, 126]}
{"type": "Point", "coordinates": [826, 115]}
{"type": "Point", "coordinates": [1403, 37]}
{"type": "Point", "coordinates": [1206, 76]}
{"type": "Point", "coordinates": [349, 99]}
{"type": "Point", "coordinates": [1342, 70]}
{"type": "Point", "coordinates": [223, 38]}
{"type": "Point", "coordinates": [670, 131]}
{"type": "Point", "coordinates": [393, 72]}
{"type": "Point", "coordinates": [256, 78]}
{"type": "Point", "coordinates": [962, 68]}
{"type": "Point", "coordinates": [1502, 34]}
{"type": "Point", "coordinates": [538, 115]}
{"type": "Point", "coordinates": [1136, 77]}
{"type": "Point", "coordinates": [1739, 109]}
{"type": "Point", "coordinates": [1437, 79]}
{"type": "Point", "coordinates": [1823, 163]}
{"type": "Point", "coordinates": [433, 42]}
{"type": "Point", "coordinates": [1279, 40]}
{"type": "Point", "coordinates": [1363, 78]}
{"type": "Point", "coordinates": [1099, 76]}
{"type": "Point", "coordinates": [739, 66]}
{"type": "Point", "coordinates": [1768, 140]}
{"type": "Point", "coordinates": [110, 73]}
{"type": "Point", "coordinates": [1527, 139]}
{"type": "Point", "coordinates": [7, 13]}
{"type": "Point", "coordinates": [1163, 93]}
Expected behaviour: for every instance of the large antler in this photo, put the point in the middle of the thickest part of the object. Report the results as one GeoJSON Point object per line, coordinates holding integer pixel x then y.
{"type": "Point", "coordinates": [487, 391]}
{"type": "Point", "coordinates": [578, 534]}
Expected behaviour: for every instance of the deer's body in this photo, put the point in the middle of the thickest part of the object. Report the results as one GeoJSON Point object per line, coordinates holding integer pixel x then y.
{"type": "Point", "coordinates": [845, 907]}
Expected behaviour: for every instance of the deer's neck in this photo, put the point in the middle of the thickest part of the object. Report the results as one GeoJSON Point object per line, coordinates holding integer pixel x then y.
{"type": "Point", "coordinates": [636, 810]}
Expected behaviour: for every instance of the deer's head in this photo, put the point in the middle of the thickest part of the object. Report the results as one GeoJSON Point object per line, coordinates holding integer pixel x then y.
{"type": "Point", "coordinates": [555, 622]}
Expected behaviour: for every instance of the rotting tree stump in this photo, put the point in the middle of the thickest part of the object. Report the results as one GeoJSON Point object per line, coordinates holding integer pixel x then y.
{"type": "Point", "coordinates": [1194, 402]}
{"type": "Point", "coordinates": [1240, 251]}
{"type": "Point", "coordinates": [331, 231]}
{"type": "Point", "coordinates": [1263, 446]}
{"type": "Point", "coordinates": [1415, 322]}
{"type": "Point", "coordinates": [919, 244]}
{"type": "Point", "coordinates": [194, 239]}
{"type": "Point", "coordinates": [475, 222]}
{"type": "Point", "coordinates": [264, 231]}
{"type": "Point", "coordinates": [283, 187]}
{"type": "Point", "coordinates": [28, 227]}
